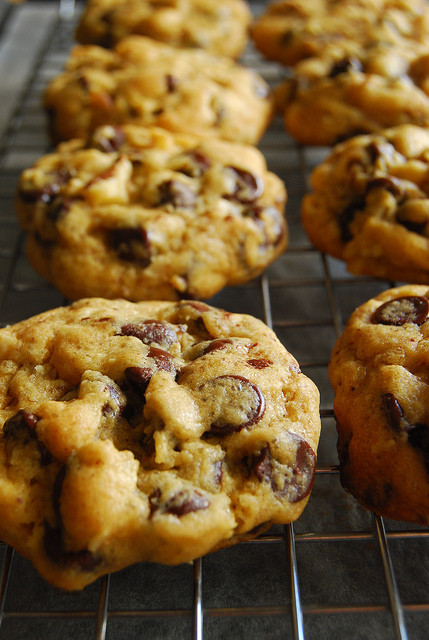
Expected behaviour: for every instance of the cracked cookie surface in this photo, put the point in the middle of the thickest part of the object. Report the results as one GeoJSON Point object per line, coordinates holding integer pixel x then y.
{"type": "Point", "coordinates": [370, 204]}
{"type": "Point", "coordinates": [142, 81]}
{"type": "Point", "coordinates": [221, 29]}
{"type": "Point", "coordinates": [141, 213]}
{"type": "Point", "coordinates": [154, 431]}
{"type": "Point", "coordinates": [378, 370]}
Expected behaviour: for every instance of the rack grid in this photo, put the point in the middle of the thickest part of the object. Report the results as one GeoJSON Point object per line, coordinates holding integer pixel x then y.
{"type": "Point", "coordinates": [339, 571]}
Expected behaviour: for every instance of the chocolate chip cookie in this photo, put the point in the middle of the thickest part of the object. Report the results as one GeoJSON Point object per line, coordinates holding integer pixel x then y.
{"type": "Point", "coordinates": [379, 371]}
{"type": "Point", "coordinates": [153, 431]}
{"type": "Point", "coordinates": [370, 204]}
{"type": "Point", "coordinates": [220, 28]}
{"type": "Point", "coordinates": [324, 103]}
{"type": "Point", "coordinates": [142, 81]}
{"type": "Point", "coordinates": [291, 30]}
{"type": "Point", "coordinates": [141, 213]}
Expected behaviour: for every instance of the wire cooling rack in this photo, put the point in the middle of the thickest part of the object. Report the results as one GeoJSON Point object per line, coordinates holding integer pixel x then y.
{"type": "Point", "coordinates": [338, 572]}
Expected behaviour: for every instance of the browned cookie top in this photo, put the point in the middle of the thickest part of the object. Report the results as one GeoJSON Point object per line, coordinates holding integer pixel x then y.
{"type": "Point", "coordinates": [147, 431]}
{"type": "Point", "coordinates": [142, 81]}
{"type": "Point", "coordinates": [370, 204]}
{"type": "Point", "coordinates": [141, 213]}
{"type": "Point", "coordinates": [220, 28]}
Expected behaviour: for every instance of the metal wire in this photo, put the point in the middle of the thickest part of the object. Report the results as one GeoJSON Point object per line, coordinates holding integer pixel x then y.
{"type": "Point", "coordinates": [277, 586]}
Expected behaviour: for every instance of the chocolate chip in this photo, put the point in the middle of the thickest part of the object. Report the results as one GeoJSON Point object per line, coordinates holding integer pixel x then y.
{"type": "Point", "coordinates": [345, 66]}
{"type": "Point", "coordinates": [192, 164]}
{"type": "Point", "coordinates": [186, 502]}
{"type": "Point", "coordinates": [294, 484]}
{"type": "Point", "coordinates": [21, 429]}
{"type": "Point", "coordinates": [131, 244]}
{"type": "Point", "coordinates": [163, 359]}
{"type": "Point", "coordinates": [83, 82]}
{"type": "Point", "coordinates": [387, 183]}
{"type": "Point", "coordinates": [117, 400]}
{"type": "Point", "coordinates": [171, 82]}
{"type": "Point", "coordinates": [179, 504]}
{"type": "Point", "coordinates": [418, 434]}
{"type": "Point", "coordinates": [233, 403]}
{"type": "Point", "coordinates": [216, 345]}
{"type": "Point", "coordinates": [247, 188]}
{"type": "Point", "coordinates": [47, 193]}
{"type": "Point", "coordinates": [259, 363]}
{"type": "Point", "coordinates": [413, 214]}
{"type": "Point", "coordinates": [54, 548]}
{"type": "Point", "coordinates": [347, 216]}
{"type": "Point", "coordinates": [418, 437]}
{"type": "Point", "coordinates": [411, 225]}
{"type": "Point", "coordinates": [402, 310]}
{"type": "Point", "coordinates": [190, 312]}
{"type": "Point", "coordinates": [177, 194]}
{"type": "Point", "coordinates": [108, 139]}
{"type": "Point", "coordinates": [57, 209]}
{"type": "Point", "coordinates": [139, 377]}
{"type": "Point", "coordinates": [149, 331]}
{"type": "Point", "coordinates": [393, 410]}
{"type": "Point", "coordinates": [262, 466]}
{"type": "Point", "coordinates": [21, 421]}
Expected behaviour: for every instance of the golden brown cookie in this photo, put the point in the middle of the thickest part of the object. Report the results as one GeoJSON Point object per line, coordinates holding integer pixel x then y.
{"type": "Point", "coordinates": [220, 28]}
{"type": "Point", "coordinates": [370, 204]}
{"type": "Point", "coordinates": [379, 372]}
{"type": "Point", "coordinates": [293, 30]}
{"type": "Point", "coordinates": [141, 213]}
{"type": "Point", "coordinates": [324, 103]}
{"type": "Point", "coordinates": [153, 431]}
{"type": "Point", "coordinates": [142, 81]}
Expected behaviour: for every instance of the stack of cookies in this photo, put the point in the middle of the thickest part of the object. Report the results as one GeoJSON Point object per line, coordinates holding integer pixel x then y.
{"type": "Point", "coordinates": [140, 423]}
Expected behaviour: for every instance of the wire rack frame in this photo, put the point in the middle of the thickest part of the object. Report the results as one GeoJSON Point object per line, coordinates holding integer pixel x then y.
{"type": "Point", "coordinates": [294, 540]}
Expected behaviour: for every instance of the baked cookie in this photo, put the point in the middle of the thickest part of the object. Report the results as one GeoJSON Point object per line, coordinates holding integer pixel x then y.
{"type": "Point", "coordinates": [379, 372]}
{"type": "Point", "coordinates": [142, 81]}
{"type": "Point", "coordinates": [370, 204]}
{"type": "Point", "coordinates": [325, 103]}
{"type": "Point", "coordinates": [292, 30]}
{"type": "Point", "coordinates": [221, 29]}
{"type": "Point", "coordinates": [141, 213]}
{"type": "Point", "coordinates": [153, 431]}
